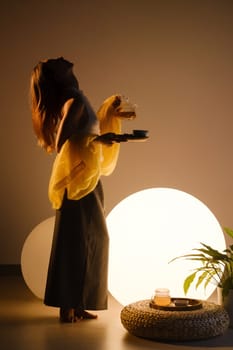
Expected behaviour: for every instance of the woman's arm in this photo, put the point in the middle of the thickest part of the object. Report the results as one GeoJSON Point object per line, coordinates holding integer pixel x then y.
{"type": "Point", "coordinates": [75, 118]}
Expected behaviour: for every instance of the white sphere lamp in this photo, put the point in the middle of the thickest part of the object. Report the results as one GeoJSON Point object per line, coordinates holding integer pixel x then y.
{"type": "Point", "coordinates": [147, 230]}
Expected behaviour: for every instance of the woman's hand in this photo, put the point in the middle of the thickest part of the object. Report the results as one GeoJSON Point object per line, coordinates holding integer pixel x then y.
{"type": "Point", "coordinates": [110, 138]}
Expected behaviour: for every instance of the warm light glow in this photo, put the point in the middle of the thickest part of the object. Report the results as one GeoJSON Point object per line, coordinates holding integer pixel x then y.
{"type": "Point", "coordinates": [147, 230]}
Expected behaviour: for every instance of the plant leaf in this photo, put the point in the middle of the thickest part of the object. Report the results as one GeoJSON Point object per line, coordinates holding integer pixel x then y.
{"type": "Point", "coordinates": [201, 278]}
{"type": "Point", "coordinates": [212, 252]}
{"type": "Point", "coordinates": [208, 280]}
{"type": "Point", "coordinates": [228, 231]}
{"type": "Point", "coordinates": [187, 282]}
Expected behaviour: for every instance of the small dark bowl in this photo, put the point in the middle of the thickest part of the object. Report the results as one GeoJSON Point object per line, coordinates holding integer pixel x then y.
{"type": "Point", "coordinates": [140, 133]}
{"type": "Point", "coordinates": [181, 302]}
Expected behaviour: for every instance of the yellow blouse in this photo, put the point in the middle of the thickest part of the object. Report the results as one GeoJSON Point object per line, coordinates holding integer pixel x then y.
{"type": "Point", "coordinates": [82, 160]}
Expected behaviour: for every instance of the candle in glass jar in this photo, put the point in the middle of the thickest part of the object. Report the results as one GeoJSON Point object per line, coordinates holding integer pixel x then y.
{"type": "Point", "coordinates": [162, 297]}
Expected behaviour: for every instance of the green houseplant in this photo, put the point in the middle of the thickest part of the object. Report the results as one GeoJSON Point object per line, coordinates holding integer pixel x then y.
{"type": "Point", "coordinates": [215, 267]}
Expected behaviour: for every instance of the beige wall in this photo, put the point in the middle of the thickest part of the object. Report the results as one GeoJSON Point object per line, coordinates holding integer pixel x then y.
{"type": "Point", "coordinates": [173, 58]}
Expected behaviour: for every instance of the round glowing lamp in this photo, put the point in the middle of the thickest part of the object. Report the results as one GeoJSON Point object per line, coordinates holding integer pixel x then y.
{"type": "Point", "coordinates": [147, 230]}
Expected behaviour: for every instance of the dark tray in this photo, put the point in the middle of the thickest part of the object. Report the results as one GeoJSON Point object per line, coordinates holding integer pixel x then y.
{"type": "Point", "coordinates": [136, 137]}
{"type": "Point", "coordinates": [193, 304]}
{"type": "Point", "coordinates": [131, 137]}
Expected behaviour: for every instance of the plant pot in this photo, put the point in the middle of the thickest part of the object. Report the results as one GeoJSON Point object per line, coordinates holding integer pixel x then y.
{"type": "Point", "coordinates": [228, 305]}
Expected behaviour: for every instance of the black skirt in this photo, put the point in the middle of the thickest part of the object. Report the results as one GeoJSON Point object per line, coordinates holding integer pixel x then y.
{"type": "Point", "coordinates": [78, 268]}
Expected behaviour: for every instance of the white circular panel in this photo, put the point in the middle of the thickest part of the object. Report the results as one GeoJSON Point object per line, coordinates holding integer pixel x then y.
{"type": "Point", "coordinates": [147, 230]}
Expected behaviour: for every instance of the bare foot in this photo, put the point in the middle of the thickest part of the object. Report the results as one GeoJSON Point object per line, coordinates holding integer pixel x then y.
{"type": "Point", "coordinates": [67, 315]}
{"type": "Point", "coordinates": [84, 315]}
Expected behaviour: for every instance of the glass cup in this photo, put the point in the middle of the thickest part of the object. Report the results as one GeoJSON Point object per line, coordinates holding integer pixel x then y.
{"type": "Point", "coordinates": [162, 297]}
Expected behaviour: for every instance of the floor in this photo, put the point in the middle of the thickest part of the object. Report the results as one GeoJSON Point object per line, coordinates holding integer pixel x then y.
{"type": "Point", "coordinates": [25, 323]}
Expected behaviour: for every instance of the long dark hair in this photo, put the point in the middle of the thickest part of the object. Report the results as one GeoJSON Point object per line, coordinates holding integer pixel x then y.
{"type": "Point", "coordinates": [47, 99]}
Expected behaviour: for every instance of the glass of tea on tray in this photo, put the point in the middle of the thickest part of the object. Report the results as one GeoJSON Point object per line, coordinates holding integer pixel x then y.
{"type": "Point", "coordinates": [162, 297]}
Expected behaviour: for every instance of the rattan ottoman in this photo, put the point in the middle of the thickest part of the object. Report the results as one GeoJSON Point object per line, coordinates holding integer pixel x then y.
{"type": "Point", "coordinates": [141, 320]}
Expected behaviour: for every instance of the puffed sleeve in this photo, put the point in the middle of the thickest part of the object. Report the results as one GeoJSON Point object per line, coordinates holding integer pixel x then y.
{"type": "Point", "coordinates": [109, 123]}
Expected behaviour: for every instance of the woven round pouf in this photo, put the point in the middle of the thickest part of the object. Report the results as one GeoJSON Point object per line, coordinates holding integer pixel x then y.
{"type": "Point", "coordinates": [143, 321]}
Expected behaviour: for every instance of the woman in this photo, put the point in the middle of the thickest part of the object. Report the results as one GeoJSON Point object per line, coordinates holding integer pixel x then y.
{"type": "Point", "coordinates": [87, 147]}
